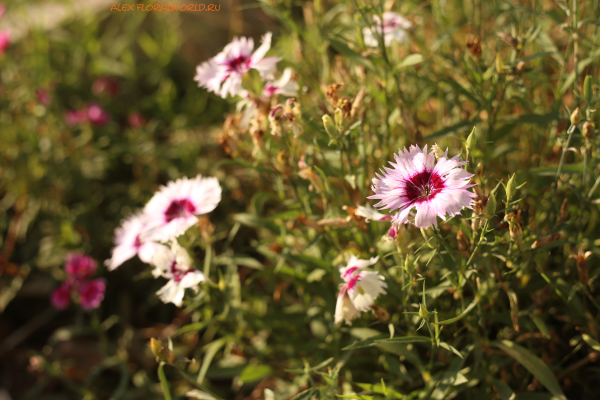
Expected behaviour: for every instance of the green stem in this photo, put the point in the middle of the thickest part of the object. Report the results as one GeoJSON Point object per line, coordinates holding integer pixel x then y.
{"type": "Point", "coordinates": [483, 232]}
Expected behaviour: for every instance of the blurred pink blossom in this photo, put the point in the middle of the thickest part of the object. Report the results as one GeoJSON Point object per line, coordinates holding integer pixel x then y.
{"type": "Point", "coordinates": [43, 96]}
{"type": "Point", "coordinates": [4, 41]}
{"type": "Point", "coordinates": [91, 293]}
{"type": "Point", "coordinates": [61, 296]}
{"type": "Point", "coordinates": [75, 117]}
{"type": "Point", "coordinates": [105, 86]}
{"type": "Point", "coordinates": [136, 120]}
{"type": "Point", "coordinates": [2, 9]}
{"type": "Point", "coordinates": [97, 115]}
{"type": "Point", "coordinates": [79, 266]}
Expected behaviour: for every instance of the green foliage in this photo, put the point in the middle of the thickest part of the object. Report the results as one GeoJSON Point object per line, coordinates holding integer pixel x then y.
{"type": "Point", "coordinates": [499, 302]}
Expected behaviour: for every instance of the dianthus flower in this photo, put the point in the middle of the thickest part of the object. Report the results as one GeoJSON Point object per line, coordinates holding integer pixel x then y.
{"type": "Point", "coordinates": [223, 73]}
{"type": "Point", "coordinates": [394, 29]}
{"type": "Point", "coordinates": [359, 291]}
{"type": "Point", "coordinates": [130, 240]}
{"type": "Point", "coordinates": [415, 181]}
{"type": "Point", "coordinates": [90, 292]}
{"type": "Point", "coordinates": [174, 263]}
{"type": "Point", "coordinates": [173, 209]}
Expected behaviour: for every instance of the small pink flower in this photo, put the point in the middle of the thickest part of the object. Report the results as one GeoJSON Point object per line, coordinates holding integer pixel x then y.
{"type": "Point", "coordinates": [91, 293]}
{"type": "Point", "coordinates": [43, 96]}
{"type": "Point", "coordinates": [106, 86]}
{"type": "Point", "coordinates": [79, 266]}
{"type": "Point", "coordinates": [416, 181]}
{"type": "Point", "coordinates": [136, 120]}
{"type": "Point", "coordinates": [96, 115]}
{"type": "Point", "coordinates": [223, 73]}
{"type": "Point", "coordinates": [61, 296]}
{"type": "Point", "coordinates": [360, 289]}
{"type": "Point", "coordinates": [174, 208]}
{"type": "Point", "coordinates": [2, 9]}
{"type": "Point", "coordinates": [75, 117]}
{"type": "Point", "coordinates": [129, 241]}
{"type": "Point", "coordinates": [4, 41]}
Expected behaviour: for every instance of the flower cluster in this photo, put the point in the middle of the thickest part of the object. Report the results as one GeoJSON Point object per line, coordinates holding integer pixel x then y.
{"type": "Point", "coordinates": [360, 289]}
{"type": "Point", "coordinates": [168, 215]}
{"type": "Point", "coordinates": [89, 292]}
{"type": "Point", "coordinates": [223, 75]}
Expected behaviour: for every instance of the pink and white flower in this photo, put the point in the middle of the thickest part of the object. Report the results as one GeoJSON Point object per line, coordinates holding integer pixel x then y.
{"type": "Point", "coordinates": [173, 209]}
{"type": "Point", "coordinates": [130, 240]}
{"type": "Point", "coordinates": [344, 309]}
{"type": "Point", "coordinates": [360, 289]}
{"type": "Point", "coordinates": [175, 264]}
{"type": "Point", "coordinates": [394, 29]}
{"type": "Point", "coordinates": [223, 73]}
{"type": "Point", "coordinates": [415, 181]}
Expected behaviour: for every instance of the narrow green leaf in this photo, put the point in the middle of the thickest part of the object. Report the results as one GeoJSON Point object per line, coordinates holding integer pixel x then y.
{"type": "Point", "coordinates": [211, 351]}
{"type": "Point", "coordinates": [408, 61]}
{"type": "Point", "coordinates": [534, 365]}
{"type": "Point", "coordinates": [589, 340]}
{"type": "Point", "coordinates": [451, 129]}
{"type": "Point", "coordinates": [461, 316]}
{"type": "Point", "coordinates": [255, 372]}
{"type": "Point", "coordinates": [163, 381]}
{"type": "Point", "coordinates": [368, 342]}
{"type": "Point", "coordinates": [505, 392]}
{"type": "Point", "coordinates": [405, 339]}
{"type": "Point", "coordinates": [308, 394]}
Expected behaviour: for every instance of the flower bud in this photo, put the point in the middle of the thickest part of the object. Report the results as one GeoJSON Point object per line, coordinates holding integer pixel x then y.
{"type": "Point", "coordinates": [423, 313]}
{"type": "Point", "coordinates": [511, 188]}
{"type": "Point", "coordinates": [162, 353]}
{"type": "Point", "coordinates": [479, 171]}
{"type": "Point", "coordinates": [358, 102]}
{"type": "Point", "coordinates": [588, 93]}
{"type": "Point", "coordinates": [499, 64]}
{"type": "Point", "coordinates": [437, 151]}
{"type": "Point", "coordinates": [563, 210]}
{"type": "Point", "coordinates": [339, 119]}
{"type": "Point", "coordinates": [330, 127]}
{"type": "Point", "coordinates": [490, 207]}
{"type": "Point", "coordinates": [576, 117]}
{"type": "Point", "coordinates": [546, 240]}
{"type": "Point", "coordinates": [520, 68]}
{"type": "Point", "coordinates": [516, 233]}
{"type": "Point", "coordinates": [588, 130]}
{"type": "Point", "coordinates": [471, 140]}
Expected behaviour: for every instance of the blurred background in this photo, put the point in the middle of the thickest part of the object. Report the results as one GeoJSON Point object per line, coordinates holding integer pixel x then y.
{"type": "Point", "coordinates": [66, 180]}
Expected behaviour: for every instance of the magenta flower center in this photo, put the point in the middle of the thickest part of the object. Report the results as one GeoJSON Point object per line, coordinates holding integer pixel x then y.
{"type": "Point", "coordinates": [349, 272]}
{"type": "Point", "coordinates": [353, 281]}
{"type": "Point", "coordinates": [238, 64]}
{"type": "Point", "coordinates": [424, 186]}
{"type": "Point", "coordinates": [177, 273]}
{"type": "Point", "coordinates": [179, 208]}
